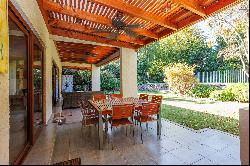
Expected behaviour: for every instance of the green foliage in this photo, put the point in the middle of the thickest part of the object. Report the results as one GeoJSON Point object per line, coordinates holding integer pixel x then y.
{"type": "Point", "coordinates": [81, 79]}
{"type": "Point", "coordinates": [222, 95]}
{"type": "Point", "coordinates": [240, 91]}
{"type": "Point", "coordinates": [156, 71]}
{"type": "Point", "coordinates": [188, 46]}
{"type": "Point", "coordinates": [200, 120]}
{"type": "Point", "coordinates": [180, 77]}
{"type": "Point", "coordinates": [110, 77]}
{"type": "Point", "coordinates": [235, 92]}
{"type": "Point", "coordinates": [203, 91]}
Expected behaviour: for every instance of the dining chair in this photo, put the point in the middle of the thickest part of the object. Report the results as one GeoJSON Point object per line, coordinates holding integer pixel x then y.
{"type": "Point", "coordinates": [116, 96]}
{"type": "Point", "coordinates": [147, 114]}
{"type": "Point", "coordinates": [121, 116]}
{"type": "Point", "coordinates": [143, 96]}
{"type": "Point", "coordinates": [90, 115]}
{"type": "Point", "coordinates": [97, 97]}
{"type": "Point", "coordinates": [106, 113]}
{"type": "Point", "coordinates": [156, 99]}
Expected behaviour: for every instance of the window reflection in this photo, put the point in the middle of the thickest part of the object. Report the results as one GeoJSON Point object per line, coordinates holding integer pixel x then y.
{"type": "Point", "coordinates": [37, 71]}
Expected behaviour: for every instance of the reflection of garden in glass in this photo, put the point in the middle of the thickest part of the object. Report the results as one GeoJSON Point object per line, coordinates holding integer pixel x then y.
{"type": "Point", "coordinates": [37, 79]}
{"type": "Point", "coordinates": [38, 98]}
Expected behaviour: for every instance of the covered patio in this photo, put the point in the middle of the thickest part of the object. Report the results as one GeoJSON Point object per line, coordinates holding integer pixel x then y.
{"type": "Point", "coordinates": [85, 35]}
{"type": "Point", "coordinates": [178, 145]}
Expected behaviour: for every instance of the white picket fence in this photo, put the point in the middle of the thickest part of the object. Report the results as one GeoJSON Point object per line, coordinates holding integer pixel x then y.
{"type": "Point", "coordinates": [222, 77]}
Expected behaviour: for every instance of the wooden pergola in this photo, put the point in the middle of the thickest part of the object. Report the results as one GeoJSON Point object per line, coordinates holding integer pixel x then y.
{"type": "Point", "coordinates": [79, 19]}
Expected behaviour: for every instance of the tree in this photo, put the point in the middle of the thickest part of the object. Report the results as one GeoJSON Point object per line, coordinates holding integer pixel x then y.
{"type": "Point", "coordinates": [187, 46]}
{"type": "Point", "coordinates": [110, 77]}
{"type": "Point", "coordinates": [180, 77]}
{"type": "Point", "coordinates": [232, 26]}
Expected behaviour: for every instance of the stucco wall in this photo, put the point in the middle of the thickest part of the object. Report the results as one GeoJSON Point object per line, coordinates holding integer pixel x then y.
{"type": "Point", "coordinates": [4, 88]}
{"type": "Point", "coordinates": [31, 13]}
{"type": "Point", "coordinates": [96, 78]}
{"type": "Point", "coordinates": [128, 67]}
{"type": "Point", "coordinates": [4, 119]}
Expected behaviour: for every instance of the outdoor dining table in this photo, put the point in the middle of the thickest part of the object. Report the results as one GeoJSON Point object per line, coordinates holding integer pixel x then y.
{"type": "Point", "coordinates": [102, 105]}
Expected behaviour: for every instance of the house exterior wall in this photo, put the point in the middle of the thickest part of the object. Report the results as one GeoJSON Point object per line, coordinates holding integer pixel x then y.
{"type": "Point", "coordinates": [31, 13]}
{"type": "Point", "coordinates": [128, 67]}
{"type": "Point", "coordinates": [4, 122]}
{"type": "Point", "coordinates": [4, 87]}
{"type": "Point", "coordinates": [96, 78]}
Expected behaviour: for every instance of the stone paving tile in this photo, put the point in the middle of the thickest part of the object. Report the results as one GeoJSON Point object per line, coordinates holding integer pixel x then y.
{"type": "Point", "coordinates": [222, 159]}
{"type": "Point", "coordinates": [187, 155]}
{"type": "Point", "coordinates": [169, 159]}
{"type": "Point", "coordinates": [232, 150]}
{"type": "Point", "coordinates": [215, 142]}
{"type": "Point", "coordinates": [202, 149]}
{"type": "Point", "coordinates": [204, 161]}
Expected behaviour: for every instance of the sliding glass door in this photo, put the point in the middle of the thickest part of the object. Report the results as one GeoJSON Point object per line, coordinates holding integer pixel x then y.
{"type": "Point", "coordinates": [26, 86]}
{"type": "Point", "coordinates": [18, 90]}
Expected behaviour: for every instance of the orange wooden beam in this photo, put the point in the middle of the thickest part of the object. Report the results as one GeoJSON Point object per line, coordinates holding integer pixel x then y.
{"type": "Point", "coordinates": [63, 9]}
{"type": "Point", "coordinates": [137, 12]}
{"type": "Point", "coordinates": [77, 27]}
{"type": "Point", "coordinates": [82, 36]}
{"type": "Point", "coordinates": [191, 5]}
{"type": "Point", "coordinates": [44, 14]}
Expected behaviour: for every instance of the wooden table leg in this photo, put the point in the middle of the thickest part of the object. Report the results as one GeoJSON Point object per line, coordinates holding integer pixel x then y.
{"type": "Point", "coordinates": [100, 131]}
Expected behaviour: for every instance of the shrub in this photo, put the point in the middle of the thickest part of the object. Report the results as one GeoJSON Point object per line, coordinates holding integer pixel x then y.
{"type": "Point", "coordinates": [203, 91]}
{"type": "Point", "coordinates": [235, 92]}
{"type": "Point", "coordinates": [180, 77]}
{"type": "Point", "coordinates": [241, 91]}
{"type": "Point", "coordinates": [216, 94]}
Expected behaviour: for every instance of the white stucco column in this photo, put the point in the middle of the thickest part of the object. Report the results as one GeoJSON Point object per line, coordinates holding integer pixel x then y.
{"type": "Point", "coordinates": [128, 67]}
{"type": "Point", "coordinates": [96, 78]}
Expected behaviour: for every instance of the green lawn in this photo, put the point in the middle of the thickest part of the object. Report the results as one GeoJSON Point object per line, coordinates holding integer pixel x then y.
{"type": "Point", "coordinates": [200, 120]}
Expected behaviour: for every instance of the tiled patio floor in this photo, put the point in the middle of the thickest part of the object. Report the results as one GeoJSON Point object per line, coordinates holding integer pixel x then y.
{"type": "Point", "coordinates": [178, 145]}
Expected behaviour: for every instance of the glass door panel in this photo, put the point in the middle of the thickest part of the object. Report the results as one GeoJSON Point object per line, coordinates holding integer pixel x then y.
{"type": "Point", "coordinates": [38, 87]}
{"type": "Point", "coordinates": [18, 90]}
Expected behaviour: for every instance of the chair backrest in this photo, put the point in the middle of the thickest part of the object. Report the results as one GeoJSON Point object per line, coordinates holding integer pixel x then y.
{"type": "Point", "coordinates": [116, 95]}
{"type": "Point", "coordinates": [87, 111]}
{"type": "Point", "coordinates": [143, 96]}
{"type": "Point", "coordinates": [99, 97]}
{"type": "Point", "coordinates": [122, 111]}
{"type": "Point", "coordinates": [150, 109]}
{"type": "Point", "coordinates": [156, 99]}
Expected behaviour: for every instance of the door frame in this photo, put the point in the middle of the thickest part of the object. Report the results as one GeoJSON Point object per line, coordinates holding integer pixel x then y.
{"type": "Point", "coordinates": [55, 66]}
{"type": "Point", "coordinates": [36, 42]}
{"type": "Point", "coordinates": [16, 17]}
